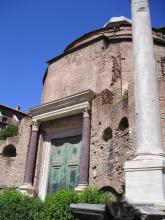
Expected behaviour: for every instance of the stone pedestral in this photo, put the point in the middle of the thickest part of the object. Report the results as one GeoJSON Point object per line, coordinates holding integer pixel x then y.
{"type": "Point", "coordinates": [81, 187]}
{"type": "Point", "coordinates": [27, 189]}
{"type": "Point", "coordinates": [145, 180]}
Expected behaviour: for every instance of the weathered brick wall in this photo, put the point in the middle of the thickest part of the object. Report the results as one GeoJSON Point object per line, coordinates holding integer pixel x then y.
{"type": "Point", "coordinates": [107, 157]}
{"type": "Point", "coordinates": [159, 54]}
{"type": "Point", "coordinates": [161, 86]}
{"type": "Point", "coordinates": [12, 168]}
{"type": "Point", "coordinates": [131, 115]}
{"type": "Point", "coordinates": [94, 67]}
{"type": "Point", "coordinates": [84, 69]}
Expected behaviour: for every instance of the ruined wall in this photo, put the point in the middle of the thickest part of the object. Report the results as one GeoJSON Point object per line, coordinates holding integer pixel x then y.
{"type": "Point", "coordinates": [107, 155]}
{"type": "Point", "coordinates": [160, 60]}
{"type": "Point", "coordinates": [12, 168]}
{"type": "Point", "coordinates": [77, 72]}
{"type": "Point", "coordinates": [94, 67]}
{"type": "Point", "coordinates": [161, 85]}
{"type": "Point", "coordinates": [107, 158]}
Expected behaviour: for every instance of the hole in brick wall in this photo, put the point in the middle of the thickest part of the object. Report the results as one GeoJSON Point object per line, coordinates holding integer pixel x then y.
{"type": "Point", "coordinates": [9, 151]}
{"type": "Point", "coordinates": [123, 124]}
{"type": "Point", "coordinates": [107, 134]}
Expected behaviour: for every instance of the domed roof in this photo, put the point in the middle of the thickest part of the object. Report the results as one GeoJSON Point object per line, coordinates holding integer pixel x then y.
{"type": "Point", "coordinates": [120, 19]}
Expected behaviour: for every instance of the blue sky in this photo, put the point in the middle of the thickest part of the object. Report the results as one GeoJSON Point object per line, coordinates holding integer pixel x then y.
{"type": "Point", "coordinates": [34, 31]}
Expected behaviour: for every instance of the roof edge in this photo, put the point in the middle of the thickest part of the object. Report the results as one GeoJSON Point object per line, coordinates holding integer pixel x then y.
{"type": "Point", "coordinates": [5, 106]}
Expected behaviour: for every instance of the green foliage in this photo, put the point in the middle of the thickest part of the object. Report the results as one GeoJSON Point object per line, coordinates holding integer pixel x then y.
{"type": "Point", "coordinates": [94, 196]}
{"type": "Point", "coordinates": [56, 205]}
{"type": "Point", "coordinates": [125, 95]}
{"type": "Point", "coordinates": [9, 131]}
{"type": "Point", "coordinates": [16, 206]}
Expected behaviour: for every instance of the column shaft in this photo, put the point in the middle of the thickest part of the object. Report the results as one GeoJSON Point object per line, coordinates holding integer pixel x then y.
{"type": "Point", "coordinates": [31, 157]}
{"type": "Point", "coordinates": [148, 132]}
{"type": "Point", "coordinates": [85, 151]}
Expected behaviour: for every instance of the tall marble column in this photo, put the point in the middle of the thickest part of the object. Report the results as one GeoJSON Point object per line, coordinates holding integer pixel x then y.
{"type": "Point", "coordinates": [144, 174]}
{"type": "Point", "coordinates": [85, 151]}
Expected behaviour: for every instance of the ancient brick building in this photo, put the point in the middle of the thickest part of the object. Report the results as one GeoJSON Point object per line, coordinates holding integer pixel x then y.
{"type": "Point", "coordinates": [10, 116]}
{"type": "Point", "coordinates": [84, 129]}
{"type": "Point", "coordinates": [13, 150]}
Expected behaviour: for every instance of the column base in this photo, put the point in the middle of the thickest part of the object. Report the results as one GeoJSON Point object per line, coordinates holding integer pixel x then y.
{"type": "Point", "coordinates": [27, 189]}
{"type": "Point", "coordinates": [145, 180]}
{"type": "Point", "coordinates": [81, 187]}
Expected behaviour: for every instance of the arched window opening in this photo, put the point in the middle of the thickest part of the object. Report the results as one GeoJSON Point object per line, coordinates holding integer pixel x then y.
{"type": "Point", "coordinates": [107, 134]}
{"type": "Point", "coordinates": [9, 151]}
{"type": "Point", "coordinates": [123, 124]}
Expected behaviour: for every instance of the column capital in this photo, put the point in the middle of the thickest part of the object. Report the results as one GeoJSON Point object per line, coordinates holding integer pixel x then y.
{"type": "Point", "coordinates": [87, 112]}
{"type": "Point", "coordinates": [35, 125]}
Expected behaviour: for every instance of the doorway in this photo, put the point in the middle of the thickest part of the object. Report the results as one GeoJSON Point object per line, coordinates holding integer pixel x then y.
{"type": "Point", "coordinates": [64, 163]}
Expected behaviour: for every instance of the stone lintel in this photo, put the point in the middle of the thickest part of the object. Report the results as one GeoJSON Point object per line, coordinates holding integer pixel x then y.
{"type": "Point", "coordinates": [85, 96]}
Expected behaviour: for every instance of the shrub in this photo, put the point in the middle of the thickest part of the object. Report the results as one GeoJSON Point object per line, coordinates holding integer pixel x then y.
{"type": "Point", "coordinates": [125, 96]}
{"type": "Point", "coordinates": [56, 205]}
{"type": "Point", "coordinates": [9, 131]}
{"type": "Point", "coordinates": [94, 196]}
{"type": "Point", "coordinates": [16, 206]}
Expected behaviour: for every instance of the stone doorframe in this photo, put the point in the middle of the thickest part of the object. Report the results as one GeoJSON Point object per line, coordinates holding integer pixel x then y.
{"type": "Point", "coordinates": [43, 180]}
{"type": "Point", "coordinates": [68, 106]}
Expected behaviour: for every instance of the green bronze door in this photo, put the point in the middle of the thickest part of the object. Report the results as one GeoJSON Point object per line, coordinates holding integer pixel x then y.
{"type": "Point", "coordinates": [64, 163]}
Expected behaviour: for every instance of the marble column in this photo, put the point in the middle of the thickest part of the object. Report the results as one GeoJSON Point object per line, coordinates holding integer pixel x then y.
{"type": "Point", "coordinates": [31, 160]}
{"type": "Point", "coordinates": [144, 174]}
{"type": "Point", "coordinates": [85, 151]}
